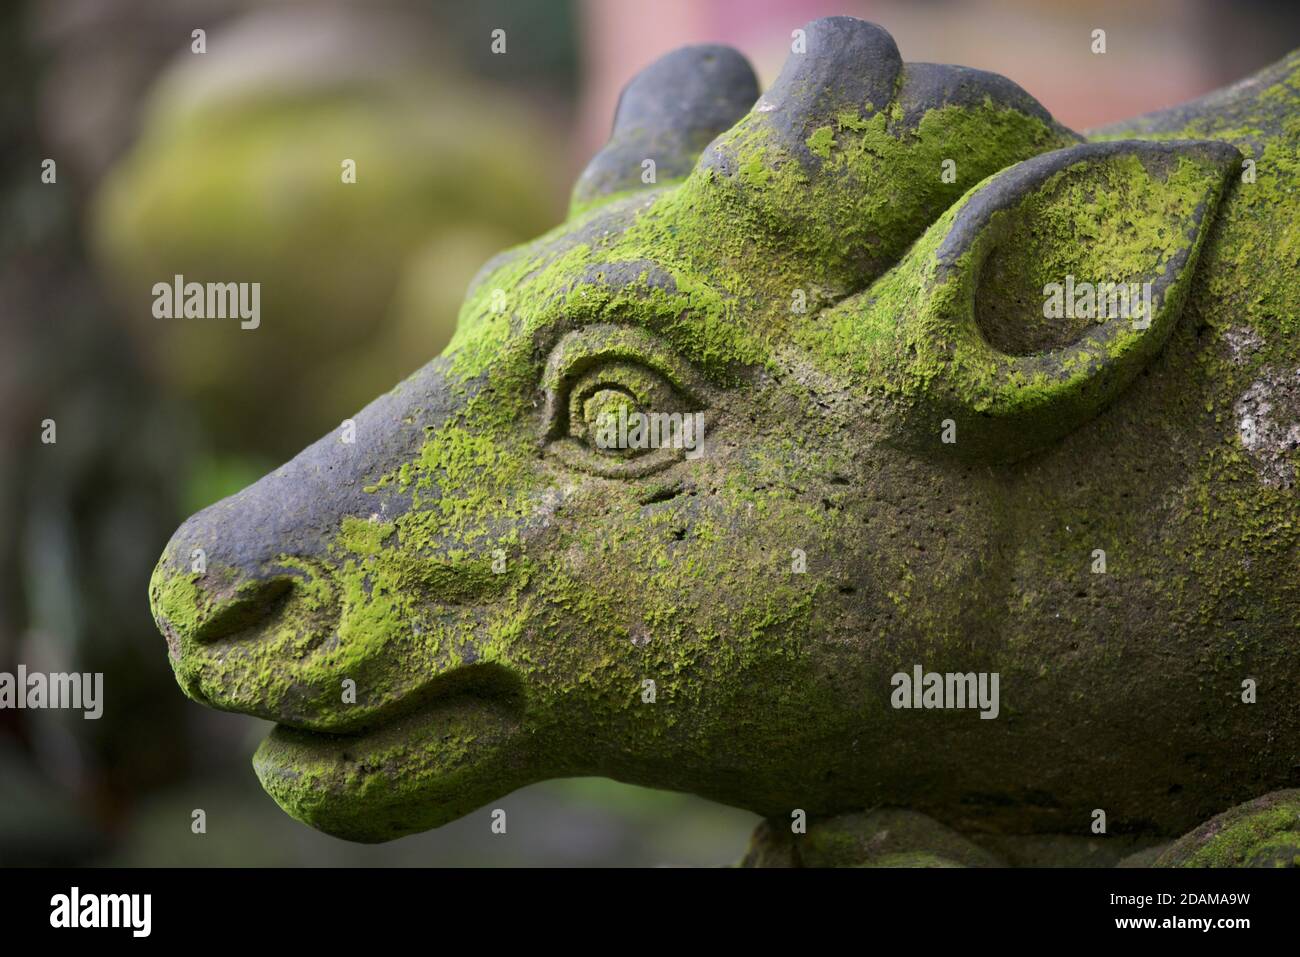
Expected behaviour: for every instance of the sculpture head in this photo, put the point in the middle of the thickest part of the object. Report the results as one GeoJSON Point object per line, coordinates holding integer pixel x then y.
{"type": "Point", "coordinates": [463, 590]}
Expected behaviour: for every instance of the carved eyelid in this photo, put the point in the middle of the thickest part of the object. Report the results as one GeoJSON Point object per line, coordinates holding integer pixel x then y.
{"type": "Point", "coordinates": [584, 348]}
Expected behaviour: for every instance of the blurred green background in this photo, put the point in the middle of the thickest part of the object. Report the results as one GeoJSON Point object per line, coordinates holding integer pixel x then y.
{"type": "Point", "coordinates": [226, 165]}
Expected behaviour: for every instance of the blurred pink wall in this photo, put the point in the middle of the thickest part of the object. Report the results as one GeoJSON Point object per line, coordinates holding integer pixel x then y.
{"type": "Point", "coordinates": [1159, 53]}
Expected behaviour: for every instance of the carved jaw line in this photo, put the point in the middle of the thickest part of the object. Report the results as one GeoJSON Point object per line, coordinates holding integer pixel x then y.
{"type": "Point", "coordinates": [367, 771]}
{"type": "Point", "coordinates": [418, 771]}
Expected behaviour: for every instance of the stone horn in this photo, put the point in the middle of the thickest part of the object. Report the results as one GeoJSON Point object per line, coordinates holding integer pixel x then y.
{"type": "Point", "coordinates": [667, 114]}
{"type": "Point", "coordinates": [845, 155]}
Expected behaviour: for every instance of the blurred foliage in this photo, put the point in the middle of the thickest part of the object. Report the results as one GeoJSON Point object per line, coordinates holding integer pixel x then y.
{"type": "Point", "coordinates": [574, 822]}
{"type": "Point", "coordinates": [212, 477]}
{"type": "Point", "coordinates": [237, 177]}
{"type": "Point", "coordinates": [81, 518]}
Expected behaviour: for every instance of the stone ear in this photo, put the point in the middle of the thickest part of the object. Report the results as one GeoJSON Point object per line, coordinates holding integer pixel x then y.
{"type": "Point", "coordinates": [666, 115]}
{"type": "Point", "coordinates": [1035, 302]}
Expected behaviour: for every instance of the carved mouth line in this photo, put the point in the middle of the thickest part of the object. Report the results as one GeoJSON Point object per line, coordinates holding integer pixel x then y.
{"type": "Point", "coordinates": [489, 683]}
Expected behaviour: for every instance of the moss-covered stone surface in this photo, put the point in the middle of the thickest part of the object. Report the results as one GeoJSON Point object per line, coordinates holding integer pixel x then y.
{"type": "Point", "coordinates": [1260, 833]}
{"type": "Point", "coordinates": [508, 602]}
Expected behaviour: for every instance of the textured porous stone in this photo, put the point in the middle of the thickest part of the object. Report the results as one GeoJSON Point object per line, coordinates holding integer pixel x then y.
{"type": "Point", "coordinates": [473, 596]}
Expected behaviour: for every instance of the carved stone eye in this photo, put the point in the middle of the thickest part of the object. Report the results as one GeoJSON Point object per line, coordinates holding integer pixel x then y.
{"type": "Point", "coordinates": [620, 403]}
{"type": "Point", "coordinates": [602, 412]}
{"type": "Point", "coordinates": [626, 420]}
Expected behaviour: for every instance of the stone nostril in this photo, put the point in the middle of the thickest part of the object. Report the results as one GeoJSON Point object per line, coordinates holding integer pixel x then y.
{"type": "Point", "coordinates": [255, 603]}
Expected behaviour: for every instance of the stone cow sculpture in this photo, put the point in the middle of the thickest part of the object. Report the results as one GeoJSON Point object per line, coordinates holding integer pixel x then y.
{"type": "Point", "coordinates": [911, 461]}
